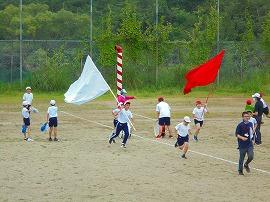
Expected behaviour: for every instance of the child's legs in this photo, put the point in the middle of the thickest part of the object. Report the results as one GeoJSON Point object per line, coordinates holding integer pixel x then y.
{"type": "Point", "coordinates": [55, 131]}
{"type": "Point", "coordinates": [119, 127]}
{"type": "Point", "coordinates": [169, 129]}
{"type": "Point", "coordinates": [125, 129]}
{"type": "Point", "coordinates": [50, 132]}
{"type": "Point", "coordinates": [185, 147]}
{"type": "Point", "coordinates": [197, 129]}
{"type": "Point", "coordinates": [28, 131]}
{"type": "Point", "coordinates": [160, 130]}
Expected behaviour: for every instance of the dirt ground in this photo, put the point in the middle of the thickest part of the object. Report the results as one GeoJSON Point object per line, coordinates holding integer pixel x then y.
{"type": "Point", "coordinates": [84, 167]}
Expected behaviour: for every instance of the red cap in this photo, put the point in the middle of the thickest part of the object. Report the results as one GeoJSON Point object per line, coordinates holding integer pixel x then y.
{"type": "Point", "coordinates": [198, 102]}
{"type": "Point", "coordinates": [249, 101]}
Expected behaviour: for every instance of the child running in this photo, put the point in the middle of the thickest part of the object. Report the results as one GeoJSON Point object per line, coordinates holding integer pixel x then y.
{"type": "Point", "coordinates": [26, 121]}
{"type": "Point", "coordinates": [183, 131]}
{"type": "Point", "coordinates": [198, 116]}
{"type": "Point", "coordinates": [124, 116]}
{"type": "Point", "coordinates": [52, 119]}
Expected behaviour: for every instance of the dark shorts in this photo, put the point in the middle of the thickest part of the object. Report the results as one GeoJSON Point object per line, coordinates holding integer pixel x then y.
{"type": "Point", "coordinates": [164, 121]}
{"type": "Point", "coordinates": [266, 110]}
{"type": "Point", "coordinates": [26, 121]}
{"type": "Point", "coordinates": [200, 122]}
{"type": "Point", "coordinates": [182, 140]}
{"type": "Point", "coordinates": [53, 122]}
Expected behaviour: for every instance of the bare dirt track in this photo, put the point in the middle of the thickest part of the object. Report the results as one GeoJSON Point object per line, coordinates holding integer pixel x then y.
{"type": "Point", "coordinates": [84, 167]}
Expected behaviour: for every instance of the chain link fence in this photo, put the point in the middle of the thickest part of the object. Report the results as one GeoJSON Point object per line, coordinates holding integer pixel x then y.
{"type": "Point", "coordinates": [238, 65]}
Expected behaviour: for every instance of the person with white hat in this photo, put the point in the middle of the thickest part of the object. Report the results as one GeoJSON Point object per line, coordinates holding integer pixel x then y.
{"type": "Point", "coordinates": [52, 119]}
{"type": "Point", "coordinates": [183, 131]}
{"type": "Point", "coordinates": [258, 112]}
{"type": "Point", "coordinates": [28, 95]}
{"type": "Point", "coordinates": [26, 121]}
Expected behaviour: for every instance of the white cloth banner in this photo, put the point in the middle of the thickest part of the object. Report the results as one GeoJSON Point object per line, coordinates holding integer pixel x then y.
{"type": "Point", "coordinates": [89, 86]}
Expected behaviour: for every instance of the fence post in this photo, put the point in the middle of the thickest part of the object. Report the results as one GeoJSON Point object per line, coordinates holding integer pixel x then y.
{"type": "Point", "coordinates": [11, 69]}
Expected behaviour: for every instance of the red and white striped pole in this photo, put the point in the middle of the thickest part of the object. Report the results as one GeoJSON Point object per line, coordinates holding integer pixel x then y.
{"type": "Point", "coordinates": [119, 71]}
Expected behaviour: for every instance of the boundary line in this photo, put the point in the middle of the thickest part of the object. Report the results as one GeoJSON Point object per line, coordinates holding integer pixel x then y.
{"type": "Point", "coordinates": [164, 143]}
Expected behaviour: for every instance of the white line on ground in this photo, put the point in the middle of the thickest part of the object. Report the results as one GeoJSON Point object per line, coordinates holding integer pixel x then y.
{"type": "Point", "coordinates": [164, 143]}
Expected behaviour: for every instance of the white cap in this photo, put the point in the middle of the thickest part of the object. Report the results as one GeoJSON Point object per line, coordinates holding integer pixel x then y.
{"type": "Point", "coordinates": [52, 102]}
{"type": "Point", "coordinates": [256, 95]}
{"type": "Point", "coordinates": [120, 104]}
{"type": "Point", "coordinates": [187, 119]}
{"type": "Point", "coordinates": [127, 102]}
{"type": "Point", "coordinates": [24, 103]}
{"type": "Point", "coordinates": [28, 88]}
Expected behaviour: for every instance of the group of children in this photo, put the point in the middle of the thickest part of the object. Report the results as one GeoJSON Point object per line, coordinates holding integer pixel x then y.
{"type": "Point", "coordinates": [182, 129]}
{"type": "Point", "coordinates": [51, 118]}
{"type": "Point", "coordinates": [123, 120]}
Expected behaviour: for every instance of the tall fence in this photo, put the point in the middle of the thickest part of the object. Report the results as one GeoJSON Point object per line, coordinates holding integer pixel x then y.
{"type": "Point", "coordinates": [139, 71]}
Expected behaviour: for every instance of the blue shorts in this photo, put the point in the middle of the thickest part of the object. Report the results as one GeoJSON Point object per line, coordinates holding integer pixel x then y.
{"type": "Point", "coordinates": [200, 122]}
{"type": "Point", "coordinates": [164, 121]}
{"type": "Point", "coordinates": [26, 121]}
{"type": "Point", "coordinates": [182, 140]}
{"type": "Point", "coordinates": [53, 122]}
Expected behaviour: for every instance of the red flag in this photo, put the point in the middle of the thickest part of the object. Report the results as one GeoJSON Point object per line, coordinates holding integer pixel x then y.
{"type": "Point", "coordinates": [204, 74]}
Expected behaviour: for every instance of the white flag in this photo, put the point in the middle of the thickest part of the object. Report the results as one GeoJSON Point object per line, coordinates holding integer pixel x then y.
{"type": "Point", "coordinates": [89, 86]}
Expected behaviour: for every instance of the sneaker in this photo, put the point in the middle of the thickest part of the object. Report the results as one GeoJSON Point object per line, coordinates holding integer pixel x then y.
{"type": "Point", "coordinates": [55, 139]}
{"type": "Point", "coordinates": [240, 172]}
{"type": "Point", "coordinates": [29, 140]}
{"type": "Point", "coordinates": [183, 156]}
{"type": "Point", "coordinates": [247, 168]}
{"type": "Point", "coordinates": [176, 144]}
{"type": "Point", "coordinates": [113, 140]}
{"type": "Point", "coordinates": [123, 145]}
{"type": "Point", "coordinates": [50, 139]}
{"type": "Point", "coordinates": [158, 137]}
{"type": "Point", "coordinates": [110, 141]}
{"type": "Point", "coordinates": [195, 138]}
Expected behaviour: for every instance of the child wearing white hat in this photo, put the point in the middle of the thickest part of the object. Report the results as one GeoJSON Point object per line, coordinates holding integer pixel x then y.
{"type": "Point", "coordinates": [52, 120]}
{"type": "Point", "coordinates": [183, 131]}
{"type": "Point", "coordinates": [26, 121]}
{"type": "Point", "coordinates": [28, 95]}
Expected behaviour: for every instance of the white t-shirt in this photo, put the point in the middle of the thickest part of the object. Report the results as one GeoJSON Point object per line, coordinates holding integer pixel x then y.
{"type": "Point", "coordinates": [264, 103]}
{"type": "Point", "coordinates": [124, 115]}
{"type": "Point", "coordinates": [25, 113]}
{"type": "Point", "coordinates": [199, 113]}
{"type": "Point", "coordinates": [28, 97]}
{"type": "Point", "coordinates": [164, 109]}
{"type": "Point", "coordinates": [52, 111]}
{"type": "Point", "coordinates": [182, 129]}
{"type": "Point", "coordinates": [253, 121]}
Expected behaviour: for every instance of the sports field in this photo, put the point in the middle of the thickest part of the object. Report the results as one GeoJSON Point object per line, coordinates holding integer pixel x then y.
{"type": "Point", "coordinates": [84, 167]}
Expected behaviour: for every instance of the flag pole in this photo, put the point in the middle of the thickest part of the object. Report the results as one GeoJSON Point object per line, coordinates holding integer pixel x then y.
{"type": "Point", "coordinates": [118, 102]}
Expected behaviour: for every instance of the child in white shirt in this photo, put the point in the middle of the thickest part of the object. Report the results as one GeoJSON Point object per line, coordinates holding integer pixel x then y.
{"type": "Point", "coordinates": [198, 116]}
{"type": "Point", "coordinates": [52, 119]}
